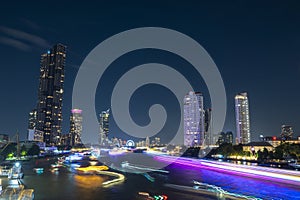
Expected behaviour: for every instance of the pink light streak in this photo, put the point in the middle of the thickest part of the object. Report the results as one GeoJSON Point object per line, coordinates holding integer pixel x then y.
{"type": "Point", "coordinates": [76, 111]}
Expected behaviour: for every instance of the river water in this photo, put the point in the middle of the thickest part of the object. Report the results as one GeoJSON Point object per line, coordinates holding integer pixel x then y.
{"type": "Point", "coordinates": [67, 185]}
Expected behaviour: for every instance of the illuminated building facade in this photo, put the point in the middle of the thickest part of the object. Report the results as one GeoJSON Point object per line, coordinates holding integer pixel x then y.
{"type": "Point", "coordinates": [104, 127]}
{"type": "Point", "coordinates": [286, 132]}
{"type": "Point", "coordinates": [35, 135]}
{"type": "Point", "coordinates": [50, 94]}
{"type": "Point", "coordinates": [225, 138]}
{"type": "Point", "coordinates": [209, 137]}
{"type": "Point", "coordinates": [32, 119]}
{"type": "Point", "coordinates": [242, 118]}
{"type": "Point", "coordinates": [75, 127]}
{"type": "Point", "coordinates": [193, 119]}
{"type": "Point", "coordinates": [147, 141]}
{"type": "Point", "coordinates": [32, 122]}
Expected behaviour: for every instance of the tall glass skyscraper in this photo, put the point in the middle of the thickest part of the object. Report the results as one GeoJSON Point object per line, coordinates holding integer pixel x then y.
{"type": "Point", "coordinates": [104, 127]}
{"type": "Point", "coordinates": [193, 119]}
{"type": "Point", "coordinates": [242, 118]}
{"type": "Point", "coordinates": [75, 127]}
{"type": "Point", "coordinates": [50, 94]}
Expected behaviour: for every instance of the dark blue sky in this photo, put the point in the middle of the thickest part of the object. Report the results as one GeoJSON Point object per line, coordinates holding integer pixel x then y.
{"type": "Point", "coordinates": [254, 44]}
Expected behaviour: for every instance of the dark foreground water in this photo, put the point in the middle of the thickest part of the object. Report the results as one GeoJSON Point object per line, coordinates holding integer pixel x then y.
{"type": "Point", "coordinates": [67, 185]}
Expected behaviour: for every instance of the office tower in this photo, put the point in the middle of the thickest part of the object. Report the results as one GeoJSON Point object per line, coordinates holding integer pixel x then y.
{"type": "Point", "coordinates": [286, 132]}
{"type": "Point", "coordinates": [193, 119]}
{"type": "Point", "coordinates": [242, 118]}
{"type": "Point", "coordinates": [104, 127]}
{"type": "Point", "coordinates": [75, 127]}
{"type": "Point", "coordinates": [50, 94]}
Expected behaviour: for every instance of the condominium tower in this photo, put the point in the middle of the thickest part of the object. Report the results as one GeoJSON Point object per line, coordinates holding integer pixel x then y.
{"type": "Point", "coordinates": [50, 94]}
{"type": "Point", "coordinates": [193, 119]}
{"type": "Point", "coordinates": [242, 118]}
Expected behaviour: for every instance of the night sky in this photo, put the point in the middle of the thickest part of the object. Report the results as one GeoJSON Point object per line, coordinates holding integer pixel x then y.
{"type": "Point", "coordinates": [256, 46]}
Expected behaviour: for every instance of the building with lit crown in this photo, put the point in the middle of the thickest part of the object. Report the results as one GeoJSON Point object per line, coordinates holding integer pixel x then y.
{"type": "Point", "coordinates": [193, 119]}
{"type": "Point", "coordinates": [50, 94]}
{"type": "Point", "coordinates": [242, 118]}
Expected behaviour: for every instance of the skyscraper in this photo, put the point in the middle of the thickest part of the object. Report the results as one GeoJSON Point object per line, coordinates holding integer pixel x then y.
{"type": "Point", "coordinates": [242, 118]}
{"type": "Point", "coordinates": [104, 127]}
{"type": "Point", "coordinates": [193, 119]}
{"type": "Point", "coordinates": [75, 127]}
{"type": "Point", "coordinates": [50, 94]}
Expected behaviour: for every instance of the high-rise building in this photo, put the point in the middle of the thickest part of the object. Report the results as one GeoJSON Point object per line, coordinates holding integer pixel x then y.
{"type": "Point", "coordinates": [104, 127]}
{"type": "Point", "coordinates": [193, 119]}
{"type": "Point", "coordinates": [147, 141]}
{"type": "Point", "coordinates": [242, 118]}
{"type": "Point", "coordinates": [225, 138]}
{"type": "Point", "coordinates": [209, 137]}
{"type": "Point", "coordinates": [32, 119]}
{"type": "Point", "coordinates": [286, 132]}
{"type": "Point", "coordinates": [50, 94]}
{"type": "Point", "coordinates": [156, 141]}
{"type": "Point", "coordinates": [75, 127]}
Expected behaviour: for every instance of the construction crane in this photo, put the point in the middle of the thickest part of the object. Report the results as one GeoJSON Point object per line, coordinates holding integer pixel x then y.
{"type": "Point", "coordinates": [16, 136]}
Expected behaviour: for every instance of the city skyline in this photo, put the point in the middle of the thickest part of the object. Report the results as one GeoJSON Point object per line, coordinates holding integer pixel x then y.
{"type": "Point", "coordinates": [250, 41]}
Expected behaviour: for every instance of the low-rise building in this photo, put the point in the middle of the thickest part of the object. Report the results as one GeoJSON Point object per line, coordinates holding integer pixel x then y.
{"type": "Point", "coordinates": [275, 141]}
{"type": "Point", "coordinates": [256, 146]}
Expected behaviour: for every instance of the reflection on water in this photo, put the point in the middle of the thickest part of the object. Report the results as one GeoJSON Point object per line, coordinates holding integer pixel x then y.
{"type": "Point", "coordinates": [88, 181]}
{"type": "Point", "coordinates": [64, 184]}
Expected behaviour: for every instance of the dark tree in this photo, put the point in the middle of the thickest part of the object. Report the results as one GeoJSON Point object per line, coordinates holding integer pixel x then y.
{"type": "Point", "coordinates": [8, 149]}
{"type": "Point", "coordinates": [34, 150]}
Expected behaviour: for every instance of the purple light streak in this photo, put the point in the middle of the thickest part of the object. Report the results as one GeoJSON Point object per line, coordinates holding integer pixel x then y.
{"type": "Point", "coordinates": [278, 175]}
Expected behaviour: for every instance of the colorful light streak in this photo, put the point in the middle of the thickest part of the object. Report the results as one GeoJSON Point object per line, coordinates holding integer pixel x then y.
{"type": "Point", "coordinates": [291, 177]}
{"type": "Point", "coordinates": [142, 169]}
{"type": "Point", "coordinates": [92, 168]}
{"type": "Point", "coordinates": [224, 192]}
{"type": "Point", "coordinates": [101, 170]}
{"type": "Point", "coordinates": [76, 111]}
{"type": "Point", "coordinates": [116, 152]}
{"type": "Point", "coordinates": [120, 178]}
